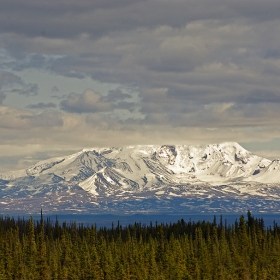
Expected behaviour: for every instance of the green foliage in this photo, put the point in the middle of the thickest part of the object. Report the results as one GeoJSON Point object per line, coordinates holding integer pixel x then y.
{"type": "Point", "coordinates": [179, 251]}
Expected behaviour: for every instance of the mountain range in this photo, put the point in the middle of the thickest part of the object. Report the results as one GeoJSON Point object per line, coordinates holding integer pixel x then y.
{"type": "Point", "coordinates": [222, 177]}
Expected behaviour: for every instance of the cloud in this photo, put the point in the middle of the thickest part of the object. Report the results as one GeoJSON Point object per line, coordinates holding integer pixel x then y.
{"type": "Point", "coordinates": [25, 133]}
{"type": "Point", "coordinates": [117, 95]}
{"type": "Point", "coordinates": [21, 156]}
{"type": "Point", "coordinates": [121, 100]}
{"type": "Point", "coordinates": [272, 54]}
{"type": "Point", "coordinates": [9, 80]}
{"type": "Point", "coordinates": [160, 107]}
{"type": "Point", "coordinates": [2, 97]}
{"type": "Point", "coordinates": [44, 119]}
{"type": "Point", "coordinates": [59, 97]}
{"type": "Point", "coordinates": [204, 61]}
{"type": "Point", "coordinates": [179, 70]}
{"type": "Point", "coordinates": [18, 120]}
{"type": "Point", "coordinates": [207, 53]}
{"type": "Point", "coordinates": [28, 90]}
{"type": "Point", "coordinates": [36, 61]}
{"type": "Point", "coordinates": [55, 89]}
{"type": "Point", "coordinates": [260, 96]}
{"type": "Point", "coordinates": [93, 102]}
{"type": "Point", "coordinates": [87, 102]}
{"type": "Point", "coordinates": [54, 22]}
{"type": "Point", "coordinates": [41, 105]}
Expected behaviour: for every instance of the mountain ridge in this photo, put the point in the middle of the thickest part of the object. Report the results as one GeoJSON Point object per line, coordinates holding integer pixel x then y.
{"type": "Point", "coordinates": [130, 176]}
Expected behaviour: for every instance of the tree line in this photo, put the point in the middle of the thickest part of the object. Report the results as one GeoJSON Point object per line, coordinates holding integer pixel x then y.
{"type": "Point", "coordinates": [184, 250]}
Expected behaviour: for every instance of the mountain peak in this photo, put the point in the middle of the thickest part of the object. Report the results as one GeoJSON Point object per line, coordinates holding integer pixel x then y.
{"type": "Point", "coordinates": [94, 176]}
{"type": "Point", "coordinates": [199, 160]}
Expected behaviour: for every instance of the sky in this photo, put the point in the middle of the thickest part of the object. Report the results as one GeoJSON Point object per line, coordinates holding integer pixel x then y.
{"type": "Point", "coordinates": [77, 74]}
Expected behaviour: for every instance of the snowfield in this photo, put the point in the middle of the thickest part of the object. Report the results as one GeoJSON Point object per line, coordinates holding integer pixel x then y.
{"type": "Point", "coordinates": [168, 178]}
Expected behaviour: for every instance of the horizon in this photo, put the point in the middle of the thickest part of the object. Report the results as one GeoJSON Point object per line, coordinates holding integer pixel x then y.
{"type": "Point", "coordinates": [101, 73]}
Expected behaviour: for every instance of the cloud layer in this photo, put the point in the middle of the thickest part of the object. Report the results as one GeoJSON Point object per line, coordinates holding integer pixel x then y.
{"type": "Point", "coordinates": [196, 70]}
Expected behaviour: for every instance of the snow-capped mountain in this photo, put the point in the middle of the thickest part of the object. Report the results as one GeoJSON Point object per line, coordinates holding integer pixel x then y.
{"type": "Point", "coordinates": [217, 177]}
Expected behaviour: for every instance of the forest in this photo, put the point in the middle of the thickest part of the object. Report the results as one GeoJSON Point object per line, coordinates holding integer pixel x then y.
{"type": "Point", "coordinates": [184, 250]}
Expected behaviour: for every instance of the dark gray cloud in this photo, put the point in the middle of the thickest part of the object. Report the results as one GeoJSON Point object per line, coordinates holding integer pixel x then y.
{"type": "Point", "coordinates": [55, 89]}
{"type": "Point", "coordinates": [8, 82]}
{"type": "Point", "coordinates": [260, 96]}
{"type": "Point", "coordinates": [117, 95]}
{"type": "Point", "coordinates": [66, 19]}
{"type": "Point", "coordinates": [121, 100]}
{"type": "Point", "coordinates": [37, 61]}
{"type": "Point", "coordinates": [93, 102]}
{"type": "Point", "coordinates": [41, 105]}
{"type": "Point", "coordinates": [94, 65]}
{"type": "Point", "coordinates": [59, 97]}
{"type": "Point", "coordinates": [214, 95]}
{"type": "Point", "coordinates": [204, 62]}
{"type": "Point", "coordinates": [272, 54]}
{"type": "Point", "coordinates": [27, 90]}
{"type": "Point", "coordinates": [87, 102]}
{"type": "Point", "coordinates": [8, 79]}
{"type": "Point", "coordinates": [187, 59]}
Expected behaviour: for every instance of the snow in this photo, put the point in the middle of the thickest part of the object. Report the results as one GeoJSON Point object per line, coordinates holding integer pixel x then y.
{"type": "Point", "coordinates": [174, 194]}
{"type": "Point", "coordinates": [89, 185]}
{"type": "Point", "coordinates": [137, 172]}
{"type": "Point", "coordinates": [160, 192]}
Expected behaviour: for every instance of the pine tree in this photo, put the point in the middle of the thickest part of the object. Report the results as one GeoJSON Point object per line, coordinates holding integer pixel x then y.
{"type": "Point", "coordinates": [31, 251]}
{"type": "Point", "coordinates": [42, 266]}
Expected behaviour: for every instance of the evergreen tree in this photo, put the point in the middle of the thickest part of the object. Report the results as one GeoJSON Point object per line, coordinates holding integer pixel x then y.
{"type": "Point", "coordinates": [31, 251]}
{"type": "Point", "coordinates": [202, 250]}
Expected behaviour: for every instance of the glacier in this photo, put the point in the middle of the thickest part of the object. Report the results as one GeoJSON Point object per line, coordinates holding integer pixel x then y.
{"type": "Point", "coordinates": [222, 177]}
